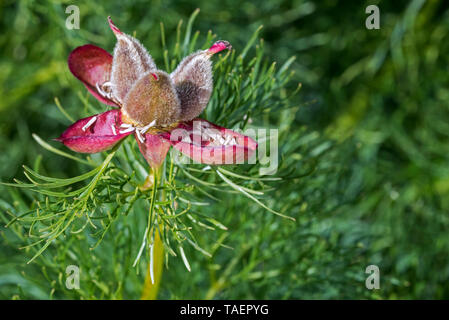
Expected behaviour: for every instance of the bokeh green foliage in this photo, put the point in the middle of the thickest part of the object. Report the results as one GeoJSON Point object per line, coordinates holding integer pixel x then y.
{"type": "Point", "coordinates": [363, 151]}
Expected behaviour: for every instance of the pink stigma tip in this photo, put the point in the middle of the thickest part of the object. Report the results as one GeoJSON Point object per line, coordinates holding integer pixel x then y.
{"type": "Point", "coordinates": [220, 46]}
{"type": "Point", "coordinates": [113, 27]}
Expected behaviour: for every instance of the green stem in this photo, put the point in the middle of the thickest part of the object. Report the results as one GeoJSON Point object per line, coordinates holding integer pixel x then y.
{"type": "Point", "coordinates": [150, 289]}
{"type": "Point", "coordinates": [151, 286]}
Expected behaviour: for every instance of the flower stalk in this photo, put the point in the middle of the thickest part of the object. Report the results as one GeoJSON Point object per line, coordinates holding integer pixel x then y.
{"type": "Point", "coordinates": [154, 270]}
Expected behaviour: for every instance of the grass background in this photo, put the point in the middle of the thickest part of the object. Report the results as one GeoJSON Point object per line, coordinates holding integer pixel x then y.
{"type": "Point", "coordinates": [373, 112]}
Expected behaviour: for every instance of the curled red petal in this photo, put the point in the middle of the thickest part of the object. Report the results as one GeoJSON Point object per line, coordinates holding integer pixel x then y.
{"type": "Point", "coordinates": [92, 66]}
{"type": "Point", "coordinates": [205, 142]}
{"type": "Point", "coordinates": [114, 27]}
{"type": "Point", "coordinates": [94, 134]}
{"type": "Point", "coordinates": [154, 149]}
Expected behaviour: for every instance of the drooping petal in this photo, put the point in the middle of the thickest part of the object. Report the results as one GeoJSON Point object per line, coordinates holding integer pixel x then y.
{"type": "Point", "coordinates": [131, 61]}
{"type": "Point", "coordinates": [193, 80]}
{"type": "Point", "coordinates": [92, 66]}
{"type": "Point", "coordinates": [205, 142]}
{"type": "Point", "coordinates": [94, 134]}
{"type": "Point", "coordinates": [154, 149]}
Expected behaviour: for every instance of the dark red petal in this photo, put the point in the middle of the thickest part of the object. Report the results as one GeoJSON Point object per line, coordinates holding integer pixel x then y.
{"type": "Point", "coordinates": [99, 136]}
{"type": "Point", "coordinates": [154, 149]}
{"type": "Point", "coordinates": [208, 143]}
{"type": "Point", "coordinates": [92, 65]}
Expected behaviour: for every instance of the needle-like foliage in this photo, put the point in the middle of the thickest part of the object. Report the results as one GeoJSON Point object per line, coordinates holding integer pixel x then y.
{"type": "Point", "coordinates": [95, 206]}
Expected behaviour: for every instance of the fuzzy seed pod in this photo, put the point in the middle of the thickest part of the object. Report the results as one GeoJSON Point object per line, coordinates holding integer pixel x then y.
{"type": "Point", "coordinates": [193, 80]}
{"type": "Point", "coordinates": [152, 98]}
{"type": "Point", "coordinates": [193, 83]}
{"type": "Point", "coordinates": [131, 60]}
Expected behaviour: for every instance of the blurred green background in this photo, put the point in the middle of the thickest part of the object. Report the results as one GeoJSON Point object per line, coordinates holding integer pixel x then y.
{"type": "Point", "coordinates": [379, 99]}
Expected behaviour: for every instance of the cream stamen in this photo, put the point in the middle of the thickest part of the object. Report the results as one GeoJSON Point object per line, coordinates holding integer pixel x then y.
{"type": "Point", "coordinates": [139, 136]}
{"type": "Point", "coordinates": [131, 129]}
{"type": "Point", "coordinates": [89, 123]}
{"type": "Point", "coordinates": [144, 129]}
{"type": "Point", "coordinates": [141, 131]}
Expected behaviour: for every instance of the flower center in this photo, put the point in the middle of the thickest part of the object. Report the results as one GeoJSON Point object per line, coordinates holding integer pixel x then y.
{"type": "Point", "coordinates": [152, 98]}
{"type": "Point", "coordinates": [151, 104]}
{"type": "Point", "coordinates": [140, 131]}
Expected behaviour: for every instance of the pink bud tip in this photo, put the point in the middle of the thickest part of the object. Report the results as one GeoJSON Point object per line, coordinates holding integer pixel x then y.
{"type": "Point", "coordinates": [113, 27]}
{"type": "Point", "coordinates": [155, 76]}
{"type": "Point", "coordinates": [220, 45]}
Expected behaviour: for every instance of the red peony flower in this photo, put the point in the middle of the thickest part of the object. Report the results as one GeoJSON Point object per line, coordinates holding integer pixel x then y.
{"type": "Point", "coordinates": [160, 109]}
